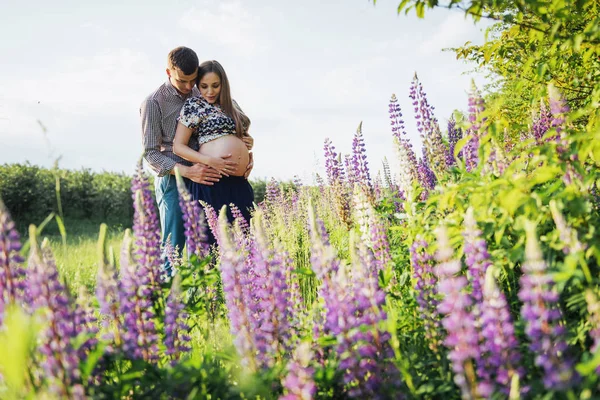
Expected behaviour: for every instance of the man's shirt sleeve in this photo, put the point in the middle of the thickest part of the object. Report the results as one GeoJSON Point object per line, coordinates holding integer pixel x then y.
{"type": "Point", "coordinates": [152, 138]}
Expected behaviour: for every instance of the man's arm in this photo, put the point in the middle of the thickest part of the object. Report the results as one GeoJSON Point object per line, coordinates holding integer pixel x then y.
{"type": "Point", "coordinates": [198, 173]}
{"type": "Point", "coordinates": [152, 138]}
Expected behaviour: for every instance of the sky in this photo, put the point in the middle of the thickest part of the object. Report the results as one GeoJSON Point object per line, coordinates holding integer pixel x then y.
{"type": "Point", "coordinates": [74, 73]}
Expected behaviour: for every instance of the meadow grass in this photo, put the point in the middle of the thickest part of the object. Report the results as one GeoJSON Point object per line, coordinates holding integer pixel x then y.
{"type": "Point", "coordinates": [77, 258]}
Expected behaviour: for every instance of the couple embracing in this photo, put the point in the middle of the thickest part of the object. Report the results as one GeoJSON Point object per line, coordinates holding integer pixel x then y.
{"type": "Point", "coordinates": [191, 122]}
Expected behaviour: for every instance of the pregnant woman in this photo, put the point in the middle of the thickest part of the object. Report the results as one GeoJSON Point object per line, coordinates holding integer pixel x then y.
{"type": "Point", "coordinates": [221, 128]}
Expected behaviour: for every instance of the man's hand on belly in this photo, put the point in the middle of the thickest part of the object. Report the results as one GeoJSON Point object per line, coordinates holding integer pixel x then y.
{"type": "Point", "coordinates": [250, 166]}
{"type": "Point", "coordinates": [203, 174]}
{"type": "Point", "coordinates": [248, 141]}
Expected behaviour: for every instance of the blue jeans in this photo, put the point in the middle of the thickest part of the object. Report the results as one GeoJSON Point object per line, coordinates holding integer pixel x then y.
{"type": "Point", "coordinates": [171, 221]}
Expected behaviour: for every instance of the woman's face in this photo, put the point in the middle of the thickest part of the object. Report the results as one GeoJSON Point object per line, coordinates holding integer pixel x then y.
{"type": "Point", "coordinates": [210, 87]}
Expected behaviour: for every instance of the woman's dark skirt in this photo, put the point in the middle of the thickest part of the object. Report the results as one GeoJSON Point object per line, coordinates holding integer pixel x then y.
{"type": "Point", "coordinates": [229, 189]}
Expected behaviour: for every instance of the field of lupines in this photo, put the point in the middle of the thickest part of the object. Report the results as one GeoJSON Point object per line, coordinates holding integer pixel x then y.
{"type": "Point", "coordinates": [471, 274]}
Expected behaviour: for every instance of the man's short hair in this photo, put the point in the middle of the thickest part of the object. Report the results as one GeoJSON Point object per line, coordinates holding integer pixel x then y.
{"type": "Point", "coordinates": [184, 59]}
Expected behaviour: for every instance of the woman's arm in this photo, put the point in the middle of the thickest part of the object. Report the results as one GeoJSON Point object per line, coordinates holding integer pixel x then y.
{"type": "Point", "coordinates": [181, 148]}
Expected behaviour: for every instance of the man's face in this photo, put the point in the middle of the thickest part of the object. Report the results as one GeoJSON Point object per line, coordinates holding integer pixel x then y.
{"type": "Point", "coordinates": [182, 82]}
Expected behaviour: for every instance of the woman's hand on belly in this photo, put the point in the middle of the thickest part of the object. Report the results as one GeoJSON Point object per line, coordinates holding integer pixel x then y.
{"type": "Point", "coordinates": [224, 164]}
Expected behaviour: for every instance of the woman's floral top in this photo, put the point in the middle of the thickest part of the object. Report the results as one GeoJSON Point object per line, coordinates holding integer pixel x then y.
{"type": "Point", "coordinates": [207, 121]}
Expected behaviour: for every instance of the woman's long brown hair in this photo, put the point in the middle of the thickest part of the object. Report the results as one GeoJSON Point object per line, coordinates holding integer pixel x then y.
{"type": "Point", "coordinates": [242, 122]}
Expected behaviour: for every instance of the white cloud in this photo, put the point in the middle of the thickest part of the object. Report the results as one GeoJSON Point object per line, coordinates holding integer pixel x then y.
{"type": "Point", "coordinates": [230, 24]}
{"type": "Point", "coordinates": [455, 30]}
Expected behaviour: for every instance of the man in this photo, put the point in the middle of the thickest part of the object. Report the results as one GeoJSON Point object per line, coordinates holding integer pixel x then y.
{"type": "Point", "coordinates": [159, 113]}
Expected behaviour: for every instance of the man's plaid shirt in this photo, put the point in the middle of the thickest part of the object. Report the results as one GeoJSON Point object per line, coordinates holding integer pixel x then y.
{"type": "Point", "coordinates": [159, 113]}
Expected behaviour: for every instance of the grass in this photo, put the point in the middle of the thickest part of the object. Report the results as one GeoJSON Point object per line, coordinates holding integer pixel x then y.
{"type": "Point", "coordinates": [77, 259]}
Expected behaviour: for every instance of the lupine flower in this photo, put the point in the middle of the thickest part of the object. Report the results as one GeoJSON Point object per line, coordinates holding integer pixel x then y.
{"type": "Point", "coordinates": [12, 275]}
{"type": "Point", "coordinates": [373, 232]}
{"type": "Point", "coordinates": [462, 338]}
{"type": "Point", "coordinates": [406, 156]}
{"type": "Point", "coordinates": [237, 292]}
{"type": "Point", "coordinates": [333, 167]}
{"type": "Point", "coordinates": [499, 347]}
{"type": "Point", "coordinates": [273, 192]}
{"type": "Point", "coordinates": [426, 291]}
{"type": "Point", "coordinates": [298, 382]}
{"type": "Point", "coordinates": [85, 322]}
{"type": "Point", "coordinates": [558, 109]}
{"type": "Point", "coordinates": [177, 338]}
{"type": "Point", "coordinates": [387, 176]}
{"type": "Point", "coordinates": [140, 336]}
{"type": "Point", "coordinates": [194, 222]}
{"type": "Point", "coordinates": [298, 189]}
{"type": "Point", "coordinates": [477, 257]}
{"type": "Point", "coordinates": [454, 135]}
{"type": "Point", "coordinates": [272, 307]}
{"type": "Point", "coordinates": [107, 293]}
{"type": "Point", "coordinates": [476, 108]}
{"type": "Point", "coordinates": [360, 165]}
{"type": "Point", "coordinates": [541, 123]}
{"type": "Point", "coordinates": [426, 178]}
{"type": "Point", "coordinates": [542, 317]}
{"type": "Point", "coordinates": [146, 228]}
{"type": "Point", "coordinates": [58, 357]}
{"type": "Point", "coordinates": [212, 219]}
{"type": "Point", "coordinates": [434, 149]}
{"type": "Point", "coordinates": [353, 304]}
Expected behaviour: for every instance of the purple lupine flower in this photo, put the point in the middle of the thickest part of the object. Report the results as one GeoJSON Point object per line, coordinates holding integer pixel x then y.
{"type": "Point", "coordinates": [212, 219]}
{"type": "Point", "coordinates": [373, 232]}
{"type": "Point", "coordinates": [426, 291]}
{"type": "Point", "coordinates": [454, 135]}
{"type": "Point", "coordinates": [360, 165]}
{"type": "Point", "coordinates": [476, 108]}
{"type": "Point", "coordinates": [177, 337]}
{"type": "Point", "coordinates": [499, 347]}
{"type": "Point", "coordinates": [353, 305]}
{"type": "Point", "coordinates": [12, 275]}
{"type": "Point", "coordinates": [107, 293]}
{"type": "Point", "coordinates": [86, 324]}
{"type": "Point", "coordinates": [541, 123]}
{"type": "Point", "coordinates": [58, 357]}
{"type": "Point", "coordinates": [272, 307]}
{"type": "Point", "coordinates": [477, 257]}
{"type": "Point", "coordinates": [542, 316]}
{"type": "Point", "coordinates": [406, 155]}
{"type": "Point", "coordinates": [298, 382]}
{"type": "Point", "coordinates": [296, 192]}
{"type": "Point", "coordinates": [434, 149]}
{"type": "Point", "coordinates": [237, 292]}
{"type": "Point", "coordinates": [426, 178]}
{"type": "Point", "coordinates": [559, 109]}
{"type": "Point", "coordinates": [194, 222]}
{"type": "Point", "coordinates": [140, 336]}
{"type": "Point", "coordinates": [333, 167]}
{"type": "Point", "coordinates": [462, 337]}
{"type": "Point", "coordinates": [273, 192]}
{"type": "Point", "coordinates": [146, 228]}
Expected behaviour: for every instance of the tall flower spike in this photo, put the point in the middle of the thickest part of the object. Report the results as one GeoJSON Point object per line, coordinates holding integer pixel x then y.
{"type": "Point", "coordinates": [273, 192]}
{"type": "Point", "coordinates": [541, 122]}
{"type": "Point", "coordinates": [462, 338]}
{"type": "Point", "coordinates": [500, 361]}
{"type": "Point", "coordinates": [146, 228]}
{"type": "Point", "coordinates": [434, 149]}
{"type": "Point", "coordinates": [140, 337]}
{"type": "Point", "coordinates": [12, 275]}
{"type": "Point", "coordinates": [476, 256]}
{"type": "Point", "coordinates": [359, 158]}
{"type": "Point", "coordinates": [406, 156]}
{"type": "Point", "coordinates": [58, 356]}
{"type": "Point", "coordinates": [212, 219]}
{"type": "Point", "coordinates": [476, 108]}
{"type": "Point", "coordinates": [333, 167]}
{"type": "Point", "coordinates": [542, 316]}
{"type": "Point", "coordinates": [454, 135]}
{"type": "Point", "coordinates": [426, 291]}
{"type": "Point", "coordinates": [107, 291]}
{"type": "Point", "coordinates": [298, 382]}
{"type": "Point", "coordinates": [177, 337]}
{"type": "Point", "coordinates": [237, 292]}
{"type": "Point", "coordinates": [194, 222]}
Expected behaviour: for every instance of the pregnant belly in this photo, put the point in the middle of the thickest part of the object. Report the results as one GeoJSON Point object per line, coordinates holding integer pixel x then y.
{"type": "Point", "coordinates": [228, 144]}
